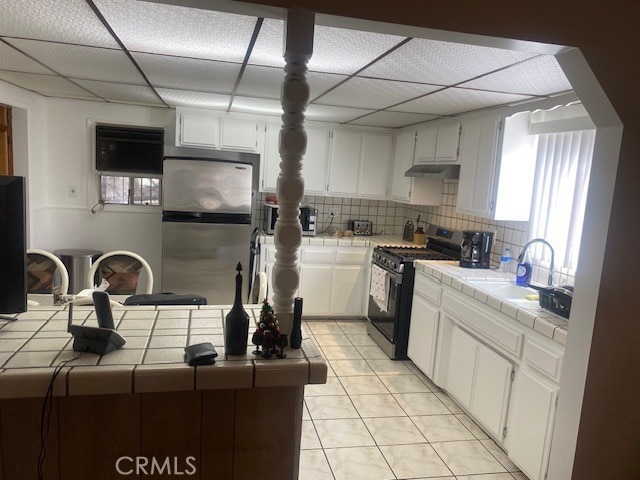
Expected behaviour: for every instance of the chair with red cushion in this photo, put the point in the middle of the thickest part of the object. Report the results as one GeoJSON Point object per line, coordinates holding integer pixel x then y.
{"type": "Point", "coordinates": [41, 272]}
{"type": "Point", "coordinates": [121, 269]}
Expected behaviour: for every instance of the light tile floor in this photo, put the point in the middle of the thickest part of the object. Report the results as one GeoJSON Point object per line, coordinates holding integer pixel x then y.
{"type": "Point", "coordinates": [378, 419]}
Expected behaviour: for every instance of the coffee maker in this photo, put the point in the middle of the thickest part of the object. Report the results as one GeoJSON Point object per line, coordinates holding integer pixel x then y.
{"type": "Point", "coordinates": [476, 249]}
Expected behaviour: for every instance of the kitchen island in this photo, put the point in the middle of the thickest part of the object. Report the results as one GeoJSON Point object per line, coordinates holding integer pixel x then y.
{"type": "Point", "coordinates": [141, 411]}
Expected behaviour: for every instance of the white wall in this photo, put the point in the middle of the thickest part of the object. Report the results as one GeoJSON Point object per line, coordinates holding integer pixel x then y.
{"type": "Point", "coordinates": [69, 222]}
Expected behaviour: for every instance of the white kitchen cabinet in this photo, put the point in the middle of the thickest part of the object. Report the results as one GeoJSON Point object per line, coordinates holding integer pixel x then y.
{"type": "Point", "coordinates": [412, 190]}
{"type": "Point", "coordinates": [438, 144]}
{"type": "Point", "coordinates": [314, 280]}
{"type": "Point", "coordinates": [333, 279]}
{"type": "Point", "coordinates": [531, 420]}
{"type": "Point", "coordinates": [479, 379]}
{"type": "Point", "coordinates": [423, 334]}
{"type": "Point", "coordinates": [239, 134]}
{"type": "Point", "coordinates": [447, 142]}
{"type": "Point", "coordinates": [497, 158]}
{"type": "Point", "coordinates": [373, 179]}
{"type": "Point", "coordinates": [359, 164]}
{"type": "Point", "coordinates": [199, 130]}
{"type": "Point", "coordinates": [314, 162]}
{"type": "Point", "coordinates": [425, 146]}
{"type": "Point", "coordinates": [208, 129]}
{"type": "Point", "coordinates": [347, 289]}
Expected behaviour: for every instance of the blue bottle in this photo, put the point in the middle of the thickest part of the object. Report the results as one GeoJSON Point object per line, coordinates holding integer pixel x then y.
{"type": "Point", "coordinates": [523, 273]}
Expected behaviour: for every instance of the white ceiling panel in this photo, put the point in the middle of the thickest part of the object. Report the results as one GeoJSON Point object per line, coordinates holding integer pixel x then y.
{"type": "Point", "coordinates": [266, 82]}
{"type": "Point", "coordinates": [326, 113]}
{"type": "Point", "coordinates": [171, 30]}
{"type": "Point", "coordinates": [69, 21]}
{"type": "Point", "coordinates": [11, 59]}
{"type": "Point", "coordinates": [46, 84]}
{"type": "Point", "coordinates": [392, 119]}
{"type": "Point", "coordinates": [442, 63]}
{"type": "Point", "coordinates": [183, 98]}
{"type": "Point", "coordinates": [82, 62]}
{"type": "Point", "coordinates": [457, 100]}
{"type": "Point", "coordinates": [538, 76]}
{"type": "Point", "coordinates": [335, 50]}
{"type": "Point", "coordinates": [188, 73]}
{"type": "Point", "coordinates": [121, 92]}
{"type": "Point", "coordinates": [372, 93]}
{"type": "Point", "coordinates": [262, 106]}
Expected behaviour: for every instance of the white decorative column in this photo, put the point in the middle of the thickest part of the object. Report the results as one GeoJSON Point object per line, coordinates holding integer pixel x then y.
{"type": "Point", "coordinates": [298, 48]}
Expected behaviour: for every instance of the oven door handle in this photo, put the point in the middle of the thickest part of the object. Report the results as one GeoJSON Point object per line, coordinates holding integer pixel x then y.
{"type": "Point", "coordinates": [393, 276]}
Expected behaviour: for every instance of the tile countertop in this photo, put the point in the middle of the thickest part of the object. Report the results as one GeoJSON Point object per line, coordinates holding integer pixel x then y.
{"type": "Point", "coordinates": [543, 321]}
{"type": "Point", "coordinates": [151, 360]}
{"type": "Point", "coordinates": [355, 241]}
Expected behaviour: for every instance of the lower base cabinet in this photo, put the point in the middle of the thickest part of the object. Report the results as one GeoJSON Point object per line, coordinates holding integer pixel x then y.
{"type": "Point", "coordinates": [423, 334]}
{"type": "Point", "coordinates": [333, 280]}
{"type": "Point", "coordinates": [531, 422]}
{"type": "Point", "coordinates": [480, 379]}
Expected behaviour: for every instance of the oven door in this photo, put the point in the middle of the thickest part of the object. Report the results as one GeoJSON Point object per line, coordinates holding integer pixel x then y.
{"type": "Point", "coordinates": [386, 322]}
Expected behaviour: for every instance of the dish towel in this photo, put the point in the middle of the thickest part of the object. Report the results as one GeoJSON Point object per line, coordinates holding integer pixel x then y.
{"type": "Point", "coordinates": [379, 288]}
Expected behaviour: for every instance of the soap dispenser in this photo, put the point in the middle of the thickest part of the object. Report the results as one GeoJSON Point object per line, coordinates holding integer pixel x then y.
{"type": "Point", "coordinates": [523, 272]}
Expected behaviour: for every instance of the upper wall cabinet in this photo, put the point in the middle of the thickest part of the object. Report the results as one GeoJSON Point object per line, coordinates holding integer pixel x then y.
{"type": "Point", "coordinates": [359, 164]}
{"type": "Point", "coordinates": [314, 161]}
{"type": "Point", "coordinates": [416, 191]}
{"type": "Point", "coordinates": [437, 144]}
{"type": "Point", "coordinates": [497, 168]}
{"type": "Point", "coordinates": [208, 129]}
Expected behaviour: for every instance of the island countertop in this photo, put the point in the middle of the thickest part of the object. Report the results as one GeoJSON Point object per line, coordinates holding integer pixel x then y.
{"type": "Point", "coordinates": [150, 361]}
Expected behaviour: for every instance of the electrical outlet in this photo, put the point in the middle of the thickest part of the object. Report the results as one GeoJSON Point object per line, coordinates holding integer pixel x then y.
{"type": "Point", "coordinates": [334, 211]}
{"type": "Point", "coordinates": [73, 191]}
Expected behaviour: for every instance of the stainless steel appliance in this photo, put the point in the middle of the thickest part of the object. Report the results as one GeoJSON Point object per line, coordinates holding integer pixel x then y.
{"type": "Point", "coordinates": [206, 225]}
{"type": "Point", "coordinates": [476, 249]}
{"type": "Point", "coordinates": [361, 227]}
{"type": "Point", "coordinates": [388, 324]}
{"type": "Point", "coordinates": [308, 217]}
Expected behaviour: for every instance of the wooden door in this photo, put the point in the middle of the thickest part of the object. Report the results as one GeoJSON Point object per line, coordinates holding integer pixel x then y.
{"type": "Point", "coordinates": [6, 147]}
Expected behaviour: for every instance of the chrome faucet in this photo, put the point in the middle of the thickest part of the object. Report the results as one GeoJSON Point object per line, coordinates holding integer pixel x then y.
{"type": "Point", "coordinates": [539, 240]}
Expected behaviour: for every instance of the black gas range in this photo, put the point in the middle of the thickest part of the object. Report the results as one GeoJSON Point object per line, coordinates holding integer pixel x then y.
{"type": "Point", "coordinates": [391, 293]}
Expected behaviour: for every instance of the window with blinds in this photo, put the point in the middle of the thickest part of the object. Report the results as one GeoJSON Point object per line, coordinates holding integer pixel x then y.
{"type": "Point", "coordinates": [560, 194]}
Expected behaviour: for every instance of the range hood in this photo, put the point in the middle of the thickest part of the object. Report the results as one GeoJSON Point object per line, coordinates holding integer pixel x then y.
{"type": "Point", "coordinates": [434, 171]}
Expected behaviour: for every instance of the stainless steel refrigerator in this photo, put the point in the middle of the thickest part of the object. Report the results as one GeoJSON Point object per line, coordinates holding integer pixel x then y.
{"type": "Point", "coordinates": [206, 225]}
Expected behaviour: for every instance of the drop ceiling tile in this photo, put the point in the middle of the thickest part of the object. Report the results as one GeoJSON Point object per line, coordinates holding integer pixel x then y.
{"type": "Point", "coordinates": [263, 106]}
{"type": "Point", "coordinates": [82, 62]}
{"type": "Point", "coordinates": [188, 73]}
{"type": "Point", "coordinates": [185, 98]}
{"type": "Point", "coordinates": [392, 119]}
{"type": "Point", "coordinates": [51, 85]}
{"type": "Point", "coordinates": [70, 21]}
{"type": "Point", "coordinates": [457, 100]}
{"type": "Point", "coordinates": [258, 81]}
{"type": "Point", "coordinates": [172, 30]}
{"type": "Point", "coordinates": [373, 93]}
{"type": "Point", "coordinates": [442, 63]}
{"type": "Point", "coordinates": [335, 50]}
{"type": "Point", "coordinates": [11, 59]}
{"type": "Point", "coordinates": [326, 113]}
{"type": "Point", "coordinates": [539, 76]}
{"type": "Point", "coordinates": [120, 92]}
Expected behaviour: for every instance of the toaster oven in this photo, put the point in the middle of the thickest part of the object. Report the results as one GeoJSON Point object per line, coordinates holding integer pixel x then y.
{"type": "Point", "coordinates": [308, 216]}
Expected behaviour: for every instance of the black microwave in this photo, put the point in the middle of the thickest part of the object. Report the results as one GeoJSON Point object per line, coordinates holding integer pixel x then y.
{"type": "Point", "coordinates": [308, 218]}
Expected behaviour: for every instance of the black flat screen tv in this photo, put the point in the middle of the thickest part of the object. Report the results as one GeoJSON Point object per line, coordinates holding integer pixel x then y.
{"type": "Point", "coordinates": [13, 245]}
{"type": "Point", "coordinates": [129, 149]}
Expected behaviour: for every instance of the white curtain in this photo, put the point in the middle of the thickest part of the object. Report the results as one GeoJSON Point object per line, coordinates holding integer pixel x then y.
{"type": "Point", "coordinates": [560, 194]}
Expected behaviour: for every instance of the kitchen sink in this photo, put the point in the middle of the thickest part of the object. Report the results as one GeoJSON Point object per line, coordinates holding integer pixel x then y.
{"type": "Point", "coordinates": [506, 290]}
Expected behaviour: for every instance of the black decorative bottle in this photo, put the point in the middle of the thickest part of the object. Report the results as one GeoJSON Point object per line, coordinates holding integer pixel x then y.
{"type": "Point", "coordinates": [296, 332]}
{"type": "Point", "coordinates": [236, 324]}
